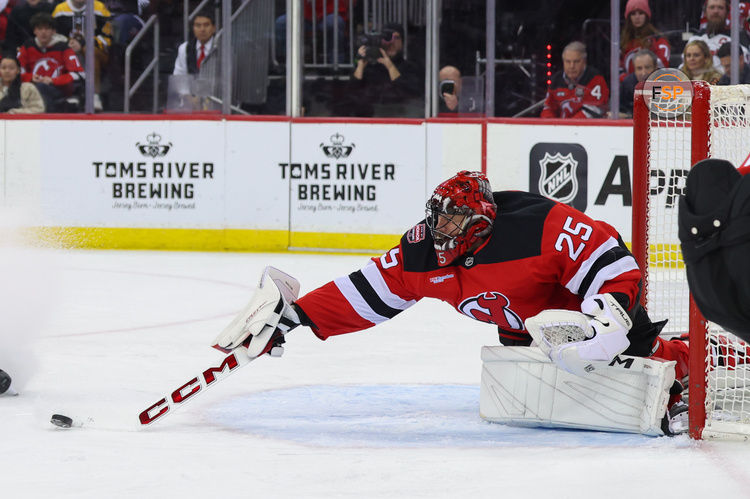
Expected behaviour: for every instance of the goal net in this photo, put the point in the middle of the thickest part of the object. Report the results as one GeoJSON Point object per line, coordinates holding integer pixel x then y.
{"type": "Point", "coordinates": [712, 122]}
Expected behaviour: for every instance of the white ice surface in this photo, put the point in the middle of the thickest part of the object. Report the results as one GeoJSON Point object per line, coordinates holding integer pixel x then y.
{"type": "Point", "coordinates": [390, 412]}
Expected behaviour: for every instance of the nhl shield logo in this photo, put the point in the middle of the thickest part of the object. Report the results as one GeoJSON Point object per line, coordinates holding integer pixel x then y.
{"type": "Point", "coordinates": [557, 179]}
{"type": "Point", "coordinates": [559, 171]}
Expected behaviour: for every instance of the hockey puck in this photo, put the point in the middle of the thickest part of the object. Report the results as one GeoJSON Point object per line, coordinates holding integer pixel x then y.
{"type": "Point", "coordinates": [61, 421]}
{"type": "Point", "coordinates": [4, 381]}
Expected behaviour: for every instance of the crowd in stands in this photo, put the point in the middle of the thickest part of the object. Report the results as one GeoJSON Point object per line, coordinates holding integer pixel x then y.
{"type": "Point", "coordinates": [44, 40]}
{"type": "Point", "coordinates": [574, 93]}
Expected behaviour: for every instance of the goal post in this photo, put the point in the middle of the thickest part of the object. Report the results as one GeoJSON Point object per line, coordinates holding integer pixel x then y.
{"type": "Point", "coordinates": [712, 121]}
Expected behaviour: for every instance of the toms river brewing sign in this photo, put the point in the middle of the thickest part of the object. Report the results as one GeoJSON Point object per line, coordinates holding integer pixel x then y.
{"type": "Point", "coordinates": [355, 177]}
{"type": "Point", "coordinates": [332, 178]}
{"type": "Point", "coordinates": [155, 176]}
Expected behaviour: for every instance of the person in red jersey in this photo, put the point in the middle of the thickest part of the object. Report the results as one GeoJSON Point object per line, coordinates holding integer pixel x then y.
{"type": "Point", "coordinates": [578, 91]}
{"type": "Point", "coordinates": [496, 257]}
{"type": "Point", "coordinates": [639, 33]}
{"type": "Point", "coordinates": [47, 61]}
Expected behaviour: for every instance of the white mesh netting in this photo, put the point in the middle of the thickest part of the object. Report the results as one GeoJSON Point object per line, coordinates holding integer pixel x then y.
{"type": "Point", "coordinates": [561, 333]}
{"type": "Point", "coordinates": [727, 369]}
{"type": "Point", "coordinates": [669, 162]}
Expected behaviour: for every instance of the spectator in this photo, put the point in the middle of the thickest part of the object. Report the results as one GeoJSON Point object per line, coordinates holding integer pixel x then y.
{"type": "Point", "coordinates": [644, 63]}
{"type": "Point", "coordinates": [325, 20]}
{"type": "Point", "coordinates": [717, 30]}
{"type": "Point", "coordinates": [49, 62]}
{"type": "Point", "coordinates": [125, 20]}
{"type": "Point", "coordinates": [386, 84]}
{"type": "Point", "coordinates": [19, 28]}
{"type": "Point", "coordinates": [190, 54]}
{"type": "Point", "coordinates": [450, 88]}
{"type": "Point", "coordinates": [17, 97]}
{"type": "Point", "coordinates": [70, 18]}
{"type": "Point", "coordinates": [6, 6]}
{"type": "Point", "coordinates": [638, 33]}
{"type": "Point", "coordinates": [698, 62]}
{"type": "Point", "coordinates": [578, 91]}
{"type": "Point", "coordinates": [725, 56]}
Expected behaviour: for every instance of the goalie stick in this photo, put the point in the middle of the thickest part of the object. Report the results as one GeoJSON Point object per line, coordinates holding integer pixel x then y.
{"type": "Point", "coordinates": [208, 378]}
{"type": "Point", "coordinates": [194, 386]}
{"type": "Point", "coordinates": [258, 329]}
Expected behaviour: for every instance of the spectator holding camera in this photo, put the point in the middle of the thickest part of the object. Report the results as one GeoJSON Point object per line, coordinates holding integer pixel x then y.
{"type": "Point", "coordinates": [450, 87]}
{"type": "Point", "coordinates": [384, 83]}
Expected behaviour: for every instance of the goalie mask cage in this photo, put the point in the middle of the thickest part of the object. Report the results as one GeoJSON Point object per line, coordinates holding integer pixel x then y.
{"type": "Point", "coordinates": [714, 122]}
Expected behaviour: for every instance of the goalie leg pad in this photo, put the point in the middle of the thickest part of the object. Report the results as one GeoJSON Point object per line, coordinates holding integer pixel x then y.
{"type": "Point", "coordinates": [521, 385]}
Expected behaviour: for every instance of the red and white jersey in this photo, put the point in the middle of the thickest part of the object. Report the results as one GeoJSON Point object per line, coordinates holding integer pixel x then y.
{"type": "Point", "coordinates": [585, 98]}
{"type": "Point", "coordinates": [58, 61]}
{"type": "Point", "coordinates": [656, 44]}
{"type": "Point", "coordinates": [541, 254]}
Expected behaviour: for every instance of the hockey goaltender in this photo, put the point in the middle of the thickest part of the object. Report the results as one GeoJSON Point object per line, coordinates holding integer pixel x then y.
{"type": "Point", "coordinates": [540, 271]}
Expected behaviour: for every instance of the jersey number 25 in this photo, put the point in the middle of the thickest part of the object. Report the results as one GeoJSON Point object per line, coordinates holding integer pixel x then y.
{"type": "Point", "coordinates": [565, 239]}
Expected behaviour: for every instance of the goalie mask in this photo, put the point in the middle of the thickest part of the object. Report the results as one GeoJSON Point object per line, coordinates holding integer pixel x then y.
{"type": "Point", "coordinates": [459, 214]}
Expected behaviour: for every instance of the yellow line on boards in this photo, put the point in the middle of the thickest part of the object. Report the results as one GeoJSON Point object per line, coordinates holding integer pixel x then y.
{"type": "Point", "coordinates": [208, 239]}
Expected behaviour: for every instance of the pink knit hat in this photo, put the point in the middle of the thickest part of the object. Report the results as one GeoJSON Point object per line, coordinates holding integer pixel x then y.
{"type": "Point", "coordinates": [637, 5]}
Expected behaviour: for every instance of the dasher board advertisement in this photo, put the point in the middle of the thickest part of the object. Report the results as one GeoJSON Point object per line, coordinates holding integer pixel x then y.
{"type": "Point", "coordinates": [587, 167]}
{"type": "Point", "coordinates": [355, 178]}
{"type": "Point", "coordinates": [132, 174]}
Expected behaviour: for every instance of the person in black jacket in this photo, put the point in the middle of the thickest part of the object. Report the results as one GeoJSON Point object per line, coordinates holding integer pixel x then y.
{"type": "Point", "coordinates": [385, 84]}
{"type": "Point", "coordinates": [725, 56]}
{"type": "Point", "coordinates": [19, 25]}
{"type": "Point", "coordinates": [714, 231]}
{"type": "Point", "coordinates": [191, 54]}
{"type": "Point", "coordinates": [645, 63]}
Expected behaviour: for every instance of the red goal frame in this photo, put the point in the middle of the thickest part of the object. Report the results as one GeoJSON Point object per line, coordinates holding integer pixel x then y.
{"type": "Point", "coordinates": [699, 143]}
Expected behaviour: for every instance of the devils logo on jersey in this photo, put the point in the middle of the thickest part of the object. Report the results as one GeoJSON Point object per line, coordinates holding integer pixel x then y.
{"type": "Point", "coordinates": [492, 307]}
{"type": "Point", "coordinates": [47, 66]}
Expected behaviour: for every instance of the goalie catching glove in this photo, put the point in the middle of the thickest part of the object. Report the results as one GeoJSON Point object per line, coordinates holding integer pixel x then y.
{"type": "Point", "coordinates": [270, 314]}
{"type": "Point", "coordinates": [572, 339]}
